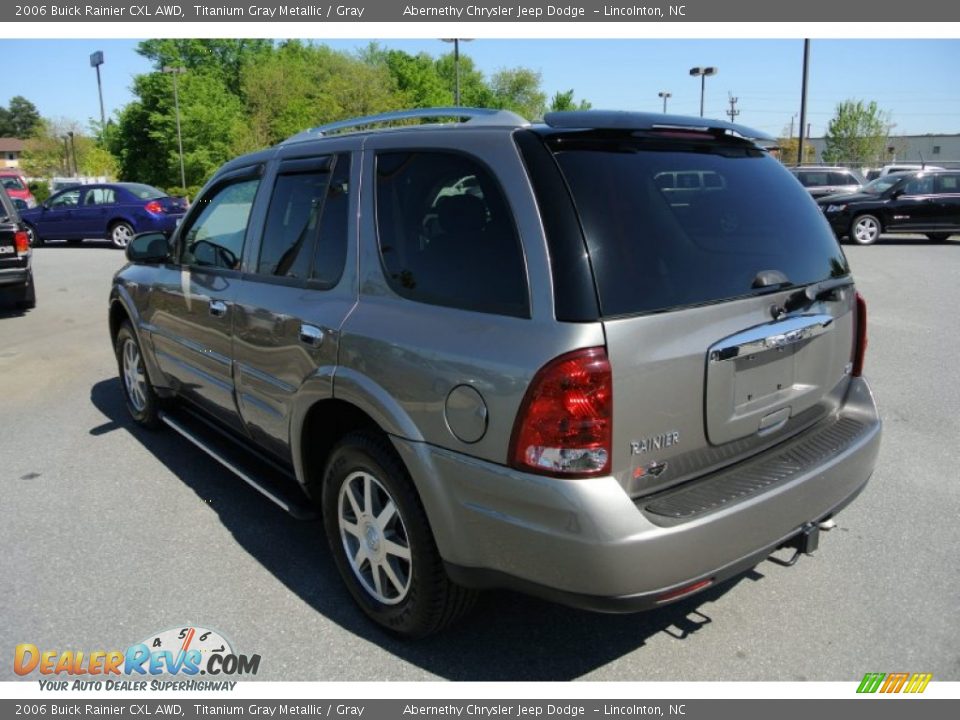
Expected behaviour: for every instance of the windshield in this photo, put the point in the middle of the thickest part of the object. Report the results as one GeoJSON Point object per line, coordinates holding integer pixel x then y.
{"type": "Point", "coordinates": [882, 184]}
{"type": "Point", "coordinates": [12, 182]}
{"type": "Point", "coordinates": [670, 225]}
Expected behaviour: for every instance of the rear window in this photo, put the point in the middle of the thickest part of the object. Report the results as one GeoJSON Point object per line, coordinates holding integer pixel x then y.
{"type": "Point", "coordinates": [654, 246]}
{"type": "Point", "coordinates": [144, 192]}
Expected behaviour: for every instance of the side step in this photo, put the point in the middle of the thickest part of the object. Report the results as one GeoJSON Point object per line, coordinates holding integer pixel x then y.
{"type": "Point", "coordinates": [258, 472]}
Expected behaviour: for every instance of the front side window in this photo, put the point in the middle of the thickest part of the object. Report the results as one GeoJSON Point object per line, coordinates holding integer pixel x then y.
{"type": "Point", "coordinates": [215, 236]}
{"type": "Point", "coordinates": [919, 186]}
{"type": "Point", "coordinates": [69, 199]}
{"type": "Point", "coordinates": [447, 235]}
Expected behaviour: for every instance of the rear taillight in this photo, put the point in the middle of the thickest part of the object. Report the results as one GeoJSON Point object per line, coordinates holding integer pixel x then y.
{"type": "Point", "coordinates": [565, 423]}
{"type": "Point", "coordinates": [860, 337]}
{"type": "Point", "coordinates": [22, 242]}
{"type": "Point", "coordinates": [153, 207]}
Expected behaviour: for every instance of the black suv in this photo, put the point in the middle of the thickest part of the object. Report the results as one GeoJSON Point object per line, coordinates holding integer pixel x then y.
{"type": "Point", "coordinates": [925, 202]}
{"type": "Point", "coordinates": [16, 275]}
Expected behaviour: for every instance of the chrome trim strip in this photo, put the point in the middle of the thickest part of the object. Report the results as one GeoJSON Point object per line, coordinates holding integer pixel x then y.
{"type": "Point", "coordinates": [772, 336]}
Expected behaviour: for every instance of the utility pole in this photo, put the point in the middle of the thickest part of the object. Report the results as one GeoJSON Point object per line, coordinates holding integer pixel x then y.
{"type": "Point", "coordinates": [803, 99]}
{"type": "Point", "coordinates": [733, 112]}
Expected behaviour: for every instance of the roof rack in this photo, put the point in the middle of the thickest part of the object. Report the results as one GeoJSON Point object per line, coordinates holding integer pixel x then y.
{"type": "Point", "coordinates": [621, 120]}
{"type": "Point", "coordinates": [474, 116]}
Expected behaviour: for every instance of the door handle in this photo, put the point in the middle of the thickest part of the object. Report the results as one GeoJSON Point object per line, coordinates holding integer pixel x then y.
{"type": "Point", "coordinates": [311, 336]}
{"type": "Point", "coordinates": [218, 308]}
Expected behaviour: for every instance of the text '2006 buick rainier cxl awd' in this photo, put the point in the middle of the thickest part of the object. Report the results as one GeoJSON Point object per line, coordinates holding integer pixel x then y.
{"type": "Point", "coordinates": [496, 354]}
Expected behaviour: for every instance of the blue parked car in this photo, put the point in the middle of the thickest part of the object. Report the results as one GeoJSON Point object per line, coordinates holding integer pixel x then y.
{"type": "Point", "coordinates": [114, 211]}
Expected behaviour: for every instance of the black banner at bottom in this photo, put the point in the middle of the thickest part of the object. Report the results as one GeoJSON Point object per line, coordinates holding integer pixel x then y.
{"type": "Point", "coordinates": [875, 708]}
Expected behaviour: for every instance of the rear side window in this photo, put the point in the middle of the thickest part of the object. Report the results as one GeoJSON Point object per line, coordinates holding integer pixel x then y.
{"type": "Point", "coordinates": [842, 178]}
{"type": "Point", "coordinates": [100, 196]}
{"type": "Point", "coordinates": [814, 179]}
{"type": "Point", "coordinates": [305, 234]}
{"type": "Point", "coordinates": [446, 233]}
{"type": "Point", "coordinates": [948, 184]}
{"type": "Point", "coordinates": [653, 249]}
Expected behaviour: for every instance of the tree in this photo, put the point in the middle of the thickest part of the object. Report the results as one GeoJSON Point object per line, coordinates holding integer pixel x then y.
{"type": "Point", "coordinates": [417, 77]}
{"type": "Point", "coordinates": [857, 133]}
{"type": "Point", "coordinates": [301, 86]}
{"type": "Point", "coordinates": [19, 119]}
{"type": "Point", "coordinates": [45, 152]}
{"type": "Point", "coordinates": [518, 89]}
{"type": "Point", "coordinates": [224, 58]}
{"type": "Point", "coordinates": [789, 146]}
{"type": "Point", "coordinates": [564, 101]}
{"type": "Point", "coordinates": [474, 91]}
{"type": "Point", "coordinates": [145, 137]}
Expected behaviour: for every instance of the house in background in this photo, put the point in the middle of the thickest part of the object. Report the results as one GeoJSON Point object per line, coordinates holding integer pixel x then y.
{"type": "Point", "coordinates": [10, 149]}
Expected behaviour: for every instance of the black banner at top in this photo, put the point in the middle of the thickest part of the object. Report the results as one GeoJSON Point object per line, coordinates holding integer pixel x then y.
{"type": "Point", "coordinates": [260, 11]}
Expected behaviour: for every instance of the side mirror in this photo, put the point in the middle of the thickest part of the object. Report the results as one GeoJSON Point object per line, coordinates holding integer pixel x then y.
{"type": "Point", "coordinates": [149, 248]}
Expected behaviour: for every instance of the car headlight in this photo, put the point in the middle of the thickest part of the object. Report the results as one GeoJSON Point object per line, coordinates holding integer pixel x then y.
{"type": "Point", "coordinates": [835, 208]}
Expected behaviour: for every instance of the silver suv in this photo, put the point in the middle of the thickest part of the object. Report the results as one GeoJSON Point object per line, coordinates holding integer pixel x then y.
{"type": "Point", "coordinates": [495, 354]}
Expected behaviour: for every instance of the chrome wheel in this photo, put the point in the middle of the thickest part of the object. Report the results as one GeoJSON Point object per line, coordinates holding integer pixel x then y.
{"type": "Point", "coordinates": [121, 235]}
{"type": "Point", "coordinates": [374, 538]}
{"type": "Point", "coordinates": [134, 376]}
{"type": "Point", "coordinates": [866, 230]}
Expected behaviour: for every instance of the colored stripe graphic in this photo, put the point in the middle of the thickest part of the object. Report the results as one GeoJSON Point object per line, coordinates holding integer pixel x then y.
{"type": "Point", "coordinates": [894, 682]}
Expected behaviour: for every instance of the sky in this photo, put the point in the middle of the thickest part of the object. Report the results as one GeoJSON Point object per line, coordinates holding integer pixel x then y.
{"type": "Point", "coordinates": [915, 80]}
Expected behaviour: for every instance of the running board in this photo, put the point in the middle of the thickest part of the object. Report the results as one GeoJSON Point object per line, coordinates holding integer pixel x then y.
{"type": "Point", "coordinates": [252, 469]}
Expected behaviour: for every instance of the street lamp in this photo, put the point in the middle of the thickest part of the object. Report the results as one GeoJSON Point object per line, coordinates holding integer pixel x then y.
{"type": "Point", "coordinates": [456, 64]}
{"type": "Point", "coordinates": [176, 104]}
{"type": "Point", "coordinates": [96, 60]}
{"type": "Point", "coordinates": [73, 148]}
{"type": "Point", "coordinates": [665, 95]}
{"type": "Point", "coordinates": [702, 73]}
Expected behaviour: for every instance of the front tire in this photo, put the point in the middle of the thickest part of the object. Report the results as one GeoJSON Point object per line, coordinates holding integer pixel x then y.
{"type": "Point", "coordinates": [382, 543]}
{"type": "Point", "coordinates": [865, 229]}
{"type": "Point", "coordinates": [142, 402]}
{"type": "Point", "coordinates": [938, 237]}
{"type": "Point", "coordinates": [121, 233]}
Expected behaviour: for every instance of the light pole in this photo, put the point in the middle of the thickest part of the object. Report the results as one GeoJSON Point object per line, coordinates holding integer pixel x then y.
{"type": "Point", "coordinates": [73, 148]}
{"type": "Point", "coordinates": [456, 65]}
{"type": "Point", "coordinates": [702, 73]}
{"type": "Point", "coordinates": [176, 104]}
{"type": "Point", "coordinates": [96, 60]}
{"type": "Point", "coordinates": [666, 96]}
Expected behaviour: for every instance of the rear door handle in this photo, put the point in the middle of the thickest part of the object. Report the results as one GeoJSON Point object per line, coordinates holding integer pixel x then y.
{"type": "Point", "coordinates": [311, 335]}
{"type": "Point", "coordinates": [218, 308]}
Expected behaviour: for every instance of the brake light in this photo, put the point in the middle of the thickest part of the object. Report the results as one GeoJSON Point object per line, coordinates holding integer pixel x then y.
{"type": "Point", "coordinates": [565, 423]}
{"type": "Point", "coordinates": [21, 242]}
{"type": "Point", "coordinates": [860, 338]}
{"type": "Point", "coordinates": [153, 207]}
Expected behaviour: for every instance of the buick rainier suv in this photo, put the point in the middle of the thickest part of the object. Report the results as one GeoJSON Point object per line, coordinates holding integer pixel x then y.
{"type": "Point", "coordinates": [494, 354]}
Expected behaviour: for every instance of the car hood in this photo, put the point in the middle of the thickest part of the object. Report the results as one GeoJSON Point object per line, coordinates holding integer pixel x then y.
{"type": "Point", "coordinates": [847, 197]}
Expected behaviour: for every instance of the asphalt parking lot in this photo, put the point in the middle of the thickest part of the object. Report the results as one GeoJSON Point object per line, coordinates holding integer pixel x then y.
{"type": "Point", "coordinates": [109, 534]}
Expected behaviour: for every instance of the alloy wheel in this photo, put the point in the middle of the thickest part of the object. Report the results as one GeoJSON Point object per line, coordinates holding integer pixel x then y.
{"type": "Point", "coordinates": [134, 376]}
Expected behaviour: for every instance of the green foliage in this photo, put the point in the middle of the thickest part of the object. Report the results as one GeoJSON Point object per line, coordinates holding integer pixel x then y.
{"type": "Point", "coordinates": [45, 152]}
{"type": "Point", "coordinates": [40, 189]}
{"type": "Point", "coordinates": [222, 58]}
{"type": "Point", "coordinates": [186, 192]}
{"type": "Point", "coordinates": [19, 119]}
{"type": "Point", "coordinates": [417, 77]}
{"type": "Point", "coordinates": [564, 101]}
{"type": "Point", "coordinates": [518, 89]}
{"type": "Point", "coordinates": [300, 86]}
{"type": "Point", "coordinates": [474, 90]}
{"type": "Point", "coordinates": [857, 133]}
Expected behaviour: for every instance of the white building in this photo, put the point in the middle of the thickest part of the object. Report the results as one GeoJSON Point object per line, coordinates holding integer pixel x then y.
{"type": "Point", "coordinates": [943, 150]}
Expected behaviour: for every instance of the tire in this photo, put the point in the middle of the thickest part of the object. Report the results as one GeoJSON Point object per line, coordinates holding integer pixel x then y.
{"type": "Point", "coordinates": [938, 237]}
{"type": "Point", "coordinates": [390, 564]}
{"type": "Point", "coordinates": [865, 229]}
{"type": "Point", "coordinates": [120, 234]}
{"type": "Point", "coordinates": [29, 300]}
{"type": "Point", "coordinates": [35, 239]}
{"type": "Point", "coordinates": [141, 400]}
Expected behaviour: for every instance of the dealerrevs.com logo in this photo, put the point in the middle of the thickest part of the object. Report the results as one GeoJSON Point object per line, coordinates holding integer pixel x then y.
{"type": "Point", "coordinates": [894, 682]}
{"type": "Point", "coordinates": [185, 651]}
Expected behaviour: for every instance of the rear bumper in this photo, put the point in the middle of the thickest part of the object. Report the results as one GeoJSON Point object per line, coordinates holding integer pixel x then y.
{"type": "Point", "coordinates": [15, 277]}
{"type": "Point", "coordinates": [586, 543]}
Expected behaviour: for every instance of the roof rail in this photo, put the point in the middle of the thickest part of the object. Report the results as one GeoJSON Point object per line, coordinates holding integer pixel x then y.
{"type": "Point", "coordinates": [474, 116]}
{"type": "Point", "coordinates": [620, 120]}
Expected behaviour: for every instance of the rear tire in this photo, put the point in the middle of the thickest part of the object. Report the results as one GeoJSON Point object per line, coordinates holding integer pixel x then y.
{"type": "Point", "coordinates": [142, 402]}
{"type": "Point", "coordinates": [35, 239]}
{"type": "Point", "coordinates": [382, 543]}
{"type": "Point", "coordinates": [121, 233]}
{"type": "Point", "coordinates": [938, 237]}
{"type": "Point", "coordinates": [865, 229]}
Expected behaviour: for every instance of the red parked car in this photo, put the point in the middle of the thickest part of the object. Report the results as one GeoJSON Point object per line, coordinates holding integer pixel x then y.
{"type": "Point", "coordinates": [16, 186]}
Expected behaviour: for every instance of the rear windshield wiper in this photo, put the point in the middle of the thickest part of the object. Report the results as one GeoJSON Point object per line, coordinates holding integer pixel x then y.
{"type": "Point", "coordinates": [817, 291]}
